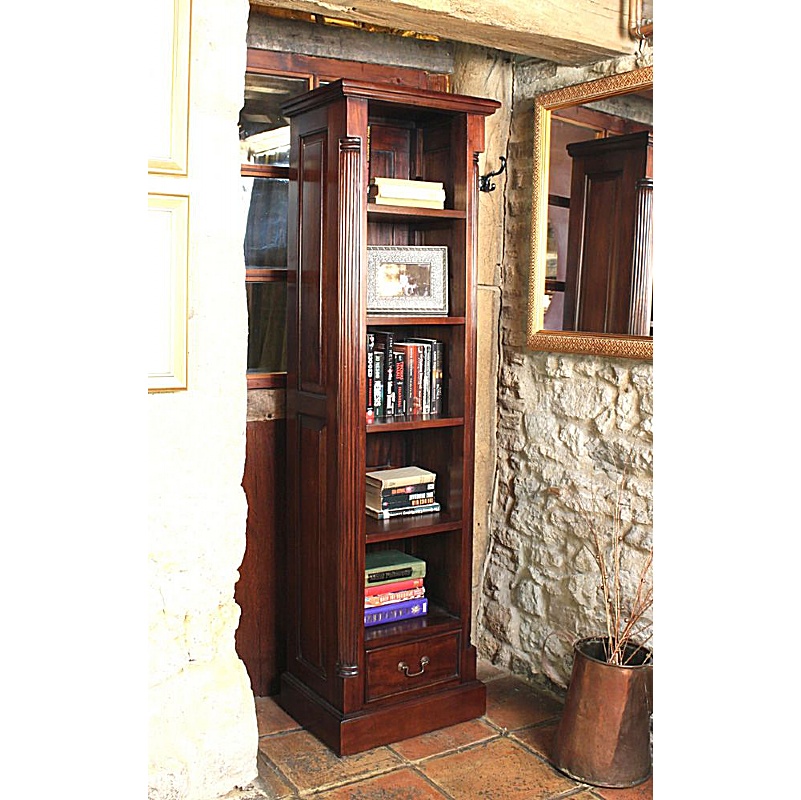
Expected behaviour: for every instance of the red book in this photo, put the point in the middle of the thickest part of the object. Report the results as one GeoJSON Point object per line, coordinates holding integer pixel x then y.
{"type": "Point", "coordinates": [374, 600]}
{"type": "Point", "coordinates": [414, 374]}
{"type": "Point", "coordinates": [397, 586]}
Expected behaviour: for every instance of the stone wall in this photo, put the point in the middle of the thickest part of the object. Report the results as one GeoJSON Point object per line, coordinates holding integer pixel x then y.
{"type": "Point", "coordinates": [202, 736]}
{"type": "Point", "coordinates": [569, 428]}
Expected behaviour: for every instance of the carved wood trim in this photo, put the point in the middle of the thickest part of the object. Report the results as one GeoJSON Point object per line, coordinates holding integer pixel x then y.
{"type": "Point", "coordinates": [641, 347]}
{"type": "Point", "coordinates": [349, 408]}
{"type": "Point", "coordinates": [641, 274]}
{"type": "Point", "coordinates": [570, 341]}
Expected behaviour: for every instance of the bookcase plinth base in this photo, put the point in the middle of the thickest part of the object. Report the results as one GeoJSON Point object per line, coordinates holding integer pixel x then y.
{"type": "Point", "coordinates": [354, 733]}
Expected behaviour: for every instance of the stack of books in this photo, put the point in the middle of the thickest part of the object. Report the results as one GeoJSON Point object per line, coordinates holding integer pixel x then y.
{"type": "Point", "coordinates": [404, 376]}
{"type": "Point", "coordinates": [400, 491]}
{"type": "Point", "coordinates": [393, 587]}
{"type": "Point", "coordinates": [400, 192]}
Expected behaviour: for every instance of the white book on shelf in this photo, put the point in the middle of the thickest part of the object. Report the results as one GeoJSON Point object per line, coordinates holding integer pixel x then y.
{"type": "Point", "coordinates": [395, 182]}
{"type": "Point", "coordinates": [411, 192]}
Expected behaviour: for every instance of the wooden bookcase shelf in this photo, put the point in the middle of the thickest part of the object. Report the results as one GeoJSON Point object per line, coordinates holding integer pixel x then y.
{"type": "Point", "coordinates": [436, 621]}
{"type": "Point", "coordinates": [342, 681]}
{"type": "Point", "coordinates": [417, 216]}
{"type": "Point", "coordinates": [382, 530]}
{"type": "Point", "coordinates": [382, 322]}
{"type": "Point", "coordinates": [409, 423]}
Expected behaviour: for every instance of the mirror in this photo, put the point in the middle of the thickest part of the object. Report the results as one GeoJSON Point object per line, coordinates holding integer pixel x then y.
{"type": "Point", "coordinates": [591, 285]}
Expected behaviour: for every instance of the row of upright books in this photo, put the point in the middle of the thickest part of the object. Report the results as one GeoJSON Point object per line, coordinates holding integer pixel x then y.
{"type": "Point", "coordinates": [393, 587]}
{"type": "Point", "coordinates": [404, 375]}
{"type": "Point", "coordinates": [400, 492]}
{"type": "Point", "coordinates": [409, 193]}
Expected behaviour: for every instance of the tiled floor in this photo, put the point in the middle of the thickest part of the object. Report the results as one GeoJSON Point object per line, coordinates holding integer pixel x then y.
{"type": "Point", "coordinates": [501, 756]}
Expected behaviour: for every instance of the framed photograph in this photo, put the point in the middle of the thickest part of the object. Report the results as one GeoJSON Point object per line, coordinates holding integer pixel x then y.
{"type": "Point", "coordinates": [407, 280]}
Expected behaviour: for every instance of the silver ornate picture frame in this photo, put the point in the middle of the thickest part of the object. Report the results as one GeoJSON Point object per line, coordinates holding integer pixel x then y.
{"type": "Point", "coordinates": [408, 281]}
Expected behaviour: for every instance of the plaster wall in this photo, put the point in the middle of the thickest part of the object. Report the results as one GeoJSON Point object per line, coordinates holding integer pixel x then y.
{"type": "Point", "coordinates": [202, 736]}
{"type": "Point", "coordinates": [484, 72]}
{"type": "Point", "coordinates": [569, 428]}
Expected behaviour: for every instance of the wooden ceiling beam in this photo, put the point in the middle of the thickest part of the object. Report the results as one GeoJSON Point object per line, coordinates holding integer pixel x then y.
{"type": "Point", "coordinates": [570, 32]}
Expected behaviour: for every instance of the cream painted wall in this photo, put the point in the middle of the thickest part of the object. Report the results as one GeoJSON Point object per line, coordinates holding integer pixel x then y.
{"type": "Point", "coordinates": [202, 736]}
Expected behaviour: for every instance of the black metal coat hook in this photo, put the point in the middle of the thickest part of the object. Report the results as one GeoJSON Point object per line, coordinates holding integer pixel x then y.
{"type": "Point", "coordinates": [484, 182]}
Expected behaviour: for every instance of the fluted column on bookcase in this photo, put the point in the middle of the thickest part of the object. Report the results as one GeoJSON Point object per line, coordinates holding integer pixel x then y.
{"type": "Point", "coordinates": [350, 466]}
{"type": "Point", "coordinates": [641, 267]}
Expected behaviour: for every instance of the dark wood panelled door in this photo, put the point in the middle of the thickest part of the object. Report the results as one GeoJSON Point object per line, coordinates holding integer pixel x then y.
{"type": "Point", "coordinates": [260, 638]}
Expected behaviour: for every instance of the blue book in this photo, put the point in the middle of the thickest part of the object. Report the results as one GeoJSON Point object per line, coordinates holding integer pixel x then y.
{"type": "Point", "coordinates": [394, 612]}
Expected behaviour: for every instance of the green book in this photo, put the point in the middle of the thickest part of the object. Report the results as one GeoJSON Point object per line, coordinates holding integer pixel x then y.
{"type": "Point", "coordinates": [385, 566]}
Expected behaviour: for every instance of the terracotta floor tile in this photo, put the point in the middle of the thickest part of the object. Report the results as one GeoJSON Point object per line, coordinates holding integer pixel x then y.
{"type": "Point", "coordinates": [309, 764]}
{"type": "Point", "coordinates": [645, 791]}
{"type": "Point", "coordinates": [275, 785]}
{"type": "Point", "coordinates": [445, 740]}
{"type": "Point", "coordinates": [498, 770]}
{"type": "Point", "coordinates": [271, 718]}
{"type": "Point", "coordinates": [513, 704]}
{"type": "Point", "coordinates": [402, 784]}
{"type": "Point", "coordinates": [487, 672]}
{"type": "Point", "coordinates": [539, 738]}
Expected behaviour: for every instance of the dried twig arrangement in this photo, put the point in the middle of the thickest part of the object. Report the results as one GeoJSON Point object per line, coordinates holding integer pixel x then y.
{"type": "Point", "coordinates": [627, 631]}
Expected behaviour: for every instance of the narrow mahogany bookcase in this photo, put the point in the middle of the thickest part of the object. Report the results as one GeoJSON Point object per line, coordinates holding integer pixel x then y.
{"type": "Point", "coordinates": [354, 687]}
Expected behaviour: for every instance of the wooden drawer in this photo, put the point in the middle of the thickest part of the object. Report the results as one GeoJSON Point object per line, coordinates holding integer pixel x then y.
{"type": "Point", "coordinates": [416, 665]}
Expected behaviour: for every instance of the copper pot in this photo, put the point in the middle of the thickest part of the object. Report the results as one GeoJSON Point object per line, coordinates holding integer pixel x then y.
{"type": "Point", "coordinates": [604, 734]}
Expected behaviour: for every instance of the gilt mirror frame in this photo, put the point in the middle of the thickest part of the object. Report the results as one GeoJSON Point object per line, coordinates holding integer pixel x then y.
{"type": "Point", "coordinates": [621, 346]}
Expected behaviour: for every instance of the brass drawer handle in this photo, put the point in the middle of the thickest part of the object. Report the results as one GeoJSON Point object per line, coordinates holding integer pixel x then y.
{"type": "Point", "coordinates": [404, 667]}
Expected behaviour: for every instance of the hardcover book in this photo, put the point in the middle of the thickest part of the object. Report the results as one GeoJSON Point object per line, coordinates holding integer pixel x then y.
{"type": "Point", "coordinates": [425, 376]}
{"type": "Point", "coordinates": [400, 187]}
{"type": "Point", "coordinates": [398, 494]}
{"type": "Point", "coordinates": [387, 598]}
{"type": "Point", "coordinates": [384, 342]}
{"type": "Point", "coordinates": [434, 370]}
{"type": "Point", "coordinates": [399, 501]}
{"type": "Point", "coordinates": [437, 372]}
{"type": "Point", "coordinates": [415, 358]}
{"type": "Point", "coordinates": [370, 367]}
{"type": "Point", "coordinates": [379, 395]}
{"type": "Point", "coordinates": [396, 611]}
{"type": "Point", "coordinates": [400, 383]}
{"type": "Point", "coordinates": [407, 351]}
{"type": "Point", "coordinates": [412, 191]}
{"type": "Point", "coordinates": [385, 566]}
{"type": "Point", "coordinates": [409, 488]}
{"type": "Point", "coordinates": [393, 477]}
{"type": "Point", "coordinates": [386, 181]}
{"type": "Point", "coordinates": [386, 509]}
{"type": "Point", "coordinates": [390, 513]}
{"type": "Point", "coordinates": [410, 202]}
{"type": "Point", "coordinates": [393, 586]}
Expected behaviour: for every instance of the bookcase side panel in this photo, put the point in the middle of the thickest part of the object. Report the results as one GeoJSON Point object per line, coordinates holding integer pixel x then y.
{"type": "Point", "coordinates": [309, 563]}
{"type": "Point", "coordinates": [315, 414]}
